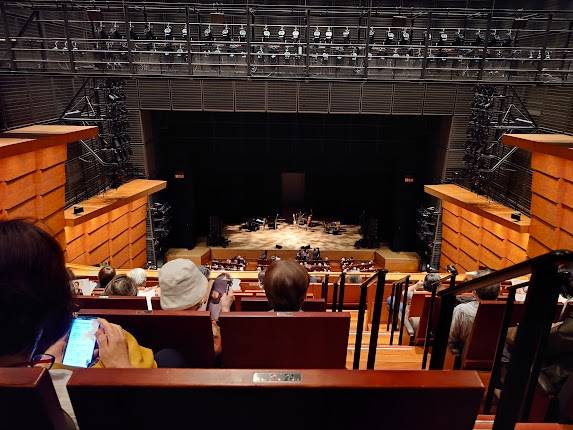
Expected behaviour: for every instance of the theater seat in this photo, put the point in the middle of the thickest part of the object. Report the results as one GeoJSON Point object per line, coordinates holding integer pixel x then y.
{"type": "Point", "coordinates": [142, 399]}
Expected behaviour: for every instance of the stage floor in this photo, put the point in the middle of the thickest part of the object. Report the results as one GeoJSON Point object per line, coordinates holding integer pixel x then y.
{"type": "Point", "coordinates": [292, 237]}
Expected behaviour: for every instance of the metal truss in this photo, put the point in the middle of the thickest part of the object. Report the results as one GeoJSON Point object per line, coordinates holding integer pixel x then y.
{"type": "Point", "coordinates": [236, 41]}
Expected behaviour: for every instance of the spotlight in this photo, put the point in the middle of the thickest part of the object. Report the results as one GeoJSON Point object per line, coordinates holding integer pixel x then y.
{"type": "Point", "coordinates": [328, 34]}
{"type": "Point", "coordinates": [184, 31]}
{"type": "Point", "coordinates": [295, 34]}
{"type": "Point", "coordinates": [260, 53]}
{"type": "Point", "coordinates": [316, 35]}
{"type": "Point", "coordinates": [148, 32]}
{"type": "Point", "coordinates": [443, 38]}
{"type": "Point", "coordinates": [405, 38]}
{"type": "Point", "coordinates": [371, 34]}
{"type": "Point", "coordinates": [282, 33]}
{"type": "Point", "coordinates": [287, 54]}
{"type": "Point", "coordinates": [207, 33]}
{"type": "Point", "coordinates": [389, 38]}
{"type": "Point", "coordinates": [242, 34]}
{"type": "Point", "coordinates": [114, 33]}
{"type": "Point", "coordinates": [346, 35]}
{"type": "Point", "coordinates": [167, 32]}
{"type": "Point", "coordinates": [266, 34]}
{"type": "Point", "coordinates": [225, 33]}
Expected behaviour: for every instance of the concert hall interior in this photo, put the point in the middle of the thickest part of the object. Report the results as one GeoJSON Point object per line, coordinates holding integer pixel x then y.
{"type": "Point", "coordinates": [268, 214]}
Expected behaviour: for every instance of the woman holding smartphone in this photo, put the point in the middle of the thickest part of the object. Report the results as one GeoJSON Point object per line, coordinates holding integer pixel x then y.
{"type": "Point", "coordinates": [36, 316]}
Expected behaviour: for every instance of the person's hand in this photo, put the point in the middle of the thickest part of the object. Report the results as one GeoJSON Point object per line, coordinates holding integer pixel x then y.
{"type": "Point", "coordinates": [226, 301]}
{"type": "Point", "coordinates": [112, 345]}
{"type": "Point", "coordinates": [58, 348]}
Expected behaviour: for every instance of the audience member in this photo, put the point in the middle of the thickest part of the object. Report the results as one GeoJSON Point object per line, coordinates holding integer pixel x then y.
{"type": "Point", "coordinates": [105, 274]}
{"type": "Point", "coordinates": [121, 285]}
{"type": "Point", "coordinates": [184, 287]}
{"type": "Point", "coordinates": [205, 271]}
{"type": "Point", "coordinates": [36, 303]}
{"type": "Point", "coordinates": [261, 277]}
{"type": "Point", "coordinates": [465, 314]}
{"type": "Point", "coordinates": [431, 280]}
{"type": "Point", "coordinates": [138, 276]}
{"type": "Point", "coordinates": [286, 283]}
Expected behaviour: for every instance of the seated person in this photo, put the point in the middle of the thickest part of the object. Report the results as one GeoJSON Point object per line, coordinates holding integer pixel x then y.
{"type": "Point", "coordinates": [205, 271]}
{"type": "Point", "coordinates": [261, 277]}
{"type": "Point", "coordinates": [465, 314]}
{"type": "Point", "coordinates": [105, 274]}
{"type": "Point", "coordinates": [138, 276]}
{"type": "Point", "coordinates": [121, 285]}
{"type": "Point", "coordinates": [430, 281]}
{"type": "Point", "coordinates": [184, 287]}
{"type": "Point", "coordinates": [36, 303]}
{"type": "Point", "coordinates": [286, 283]}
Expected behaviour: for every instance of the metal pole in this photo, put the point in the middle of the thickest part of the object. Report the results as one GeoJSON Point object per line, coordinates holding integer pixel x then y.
{"type": "Point", "coordinates": [377, 313]}
{"type": "Point", "coordinates": [68, 39]}
{"type": "Point", "coordinates": [395, 308]}
{"type": "Point", "coordinates": [128, 38]}
{"type": "Point", "coordinates": [495, 371]}
{"type": "Point", "coordinates": [307, 42]}
{"type": "Point", "coordinates": [531, 339]}
{"type": "Point", "coordinates": [484, 50]}
{"type": "Point", "coordinates": [334, 296]}
{"type": "Point", "coordinates": [440, 342]}
{"type": "Point", "coordinates": [391, 308]}
{"type": "Point", "coordinates": [324, 291]}
{"type": "Point", "coordinates": [544, 48]}
{"type": "Point", "coordinates": [188, 42]}
{"type": "Point", "coordinates": [367, 48]}
{"type": "Point", "coordinates": [42, 35]}
{"type": "Point", "coordinates": [428, 328]}
{"type": "Point", "coordinates": [360, 325]}
{"type": "Point", "coordinates": [426, 44]}
{"type": "Point", "coordinates": [9, 43]}
{"type": "Point", "coordinates": [249, 35]}
{"type": "Point", "coordinates": [341, 291]}
{"type": "Point", "coordinates": [404, 307]}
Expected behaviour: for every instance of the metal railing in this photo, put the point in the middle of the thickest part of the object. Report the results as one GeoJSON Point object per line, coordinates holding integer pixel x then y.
{"type": "Point", "coordinates": [397, 308]}
{"type": "Point", "coordinates": [378, 279]}
{"type": "Point", "coordinates": [532, 333]}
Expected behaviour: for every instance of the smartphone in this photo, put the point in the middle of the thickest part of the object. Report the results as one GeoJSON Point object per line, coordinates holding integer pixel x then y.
{"type": "Point", "coordinates": [81, 342]}
{"type": "Point", "coordinates": [220, 287]}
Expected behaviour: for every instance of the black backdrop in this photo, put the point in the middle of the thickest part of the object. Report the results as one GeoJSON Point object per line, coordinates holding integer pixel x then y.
{"type": "Point", "coordinates": [232, 163]}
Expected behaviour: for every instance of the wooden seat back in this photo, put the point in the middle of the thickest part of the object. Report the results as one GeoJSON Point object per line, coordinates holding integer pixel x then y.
{"type": "Point", "coordinates": [275, 340]}
{"type": "Point", "coordinates": [115, 302]}
{"type": "Point", "coordinates": [261, 304]}
{"type": "Point", "coordinates": [420, 335]}
{"type": "Point", "coordinates": [479, 350]}
{"type": "Point", "coordinates": [189, 332]}
{"type": "Point", "coordinates": [312, 399]}
{"type": "Point", "coordinates": [28, 400]}
{"type": "Point", "coordinates": [417, 303]}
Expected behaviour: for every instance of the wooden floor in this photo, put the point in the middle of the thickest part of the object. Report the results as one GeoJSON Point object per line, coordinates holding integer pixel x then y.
{"type": "Point", "coordinates": [395, 357]}
{"type": "Point", "coordinates": [292, 237]}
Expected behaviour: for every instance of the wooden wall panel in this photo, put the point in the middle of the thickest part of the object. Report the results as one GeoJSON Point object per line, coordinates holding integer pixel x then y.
{"type": "Point", "coordinates": [470, 241]}
{"type": "Point", "coordinates": [117, 237]}
{"type": "Point", "coordinates": [551, 204]}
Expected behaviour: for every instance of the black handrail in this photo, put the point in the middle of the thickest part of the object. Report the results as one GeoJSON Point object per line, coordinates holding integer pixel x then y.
{"type": "Point", "coordinates": [380, 276]}
{"type": "Point", "coordinates": [430, 323]}
{"type": "Point", "coordinates": [376, 315]}
{"type": "Point", "coordinates": [341, 287]}
{"type": "Point", "coordinates": [532, 333]}
{"type": "Point", "coordinates": [324, 289]}
{"type": "Point", "coordinates": [334, 296]}
{"type": "Point", "coordinates": [399, 294]}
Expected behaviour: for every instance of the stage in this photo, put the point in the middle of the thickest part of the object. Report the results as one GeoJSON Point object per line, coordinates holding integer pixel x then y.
{"type": "Point", "coordinates": [290, 236]}
{"type": "Point", "coordinates": [250, 244]}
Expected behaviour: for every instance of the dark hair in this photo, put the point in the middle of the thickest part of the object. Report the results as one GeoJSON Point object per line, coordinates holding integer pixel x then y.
{"type": "Point", "coordinates": [261, 277]}
{"type": "Point", "coordinates": [105, 275]}
{"type": "Point", "coordinates": [121, 285]}
{"type": "Point", "coordinates": [431, 280]}
{"type": "Point", "coordinates": [488, 293]}
{"type": "Point", "coordinates": [285, 285]}
{"type": "Point", "coordinates": [35, 295]}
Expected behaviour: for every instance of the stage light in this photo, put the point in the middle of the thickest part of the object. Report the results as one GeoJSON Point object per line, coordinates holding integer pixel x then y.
{"type": "Point", "coordinates": [287, 54]}
{"type": "Point", "coordinates": [242, 34]}
{"type": "Point", "coordinates": [443, 38]}
{"type": "Point", "coordinates": [371, 35]}
{"type": "Point", "coordinates": [346, 35]}
{"type": "Point", "coordinates": [167, 32]}
{"type": "Point", "coordinates": [316, 35]}
{"type": "Point", "coordinates": [295, 34]}
{"type": "Point", "coordinates": [328, 34]}
{"type": "Point", "coordinates": [460, 39]}
{"type": "Point", "coordinates": [325, 56]}
{"type": "Point", "coordinates": [405, 40]}
{"type": "Point", "coordinates": [225, 33]}
{"type": "Point", "coordinates": [56, 47]}
{"type": "Point", "coordinates": [260, 53]}
{"type": "Point", "coordinates": [207, 33]}
{"type": "Point", "coordinates": [132, 33]}
{"type": "Point", "coordinates": [114, 33]}
{"type": "Point", "coordinates": [184, 31]}
{"type": "Point", "coordinates": [354, 55]}
{"type": "Point", "coordinates": [148, 32]}
{"type": "Point", "coordinates": [281, 33]}
{"type": "Point", "coordinates": [266, 34]}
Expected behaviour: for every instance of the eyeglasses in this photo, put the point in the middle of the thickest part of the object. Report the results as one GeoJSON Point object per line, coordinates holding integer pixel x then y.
{"type": "Point", "coordinates": [39, 360]}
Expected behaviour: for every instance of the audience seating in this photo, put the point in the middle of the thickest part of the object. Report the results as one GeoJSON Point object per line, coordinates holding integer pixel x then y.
{"type": "Point", "coordinates": [189, 332]}
{"type": "Point", "coordinates": [416, 326]}
{"type": "Point", "coordinates": [115, 302]}
{"type": "Point", "coordinates": [335, 399]}
{"type": "Point", "coordinates": [261, 304]}
{"type": "Point", "coordinates": [275, 340]}
{"type": "Point", "coordinates": [28, 400]}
